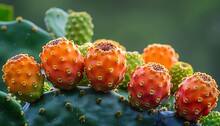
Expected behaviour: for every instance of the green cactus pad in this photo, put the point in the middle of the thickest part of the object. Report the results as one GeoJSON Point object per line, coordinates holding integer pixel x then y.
{"type": "Point", "coordinates": [133, 61]}
{"type": "Point", "coordinates": [168, 103]}
{"type": "Point", "coordinates": [212, 119]}
{"type": "Point", "coordinates": [55, 20]}
{"type": "Point", "coordinates": [178, 72]}
{"type": "Point", "coordinates": [79, 27]}
{"type": "Point", "coordinates": [20, 36]}
{"type": "Point", "coordinates": [11, 113]}
{"type": "Point", "coordinates": [6, 12]}
{"type": "Point", "coordinates": [84, 106]}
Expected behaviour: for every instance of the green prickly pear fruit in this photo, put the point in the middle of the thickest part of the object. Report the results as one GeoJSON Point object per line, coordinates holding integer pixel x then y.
{"type": "Point", "coordinates": [212, 119]}
{"type": "Point", "coordinates": [84, 47]}
{"type": "Point", "coordinates": [178, 71]}
{"type": "Point", "coordinates": [79, 27]}
{"type": "Point", "coordinates": [134, 60]}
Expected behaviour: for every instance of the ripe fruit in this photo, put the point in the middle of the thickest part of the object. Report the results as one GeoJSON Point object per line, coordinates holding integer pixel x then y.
{"type": "Point", "coordinates": [149, 86]}
{"type": "Point", "coordinates": [163, 54]}
{"type": "Point", "coordinates": [63, 63]}
{"type": "Point", "coordinates": [105, 65]}
{"type": "Point", "coordinates": [196, 96]}
{"type": "Point", "coordinates": [178, 72]}
{"type": "Point", "coordinates": [23, 77]}
{"type": "Point", "coordinates": [134, 60]}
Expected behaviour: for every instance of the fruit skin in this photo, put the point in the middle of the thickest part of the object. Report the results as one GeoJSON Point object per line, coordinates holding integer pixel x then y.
{"type": "Point", "coordinates": [178, 71]}
{"type": "Point", "coordinates": [196, 97]}
{"type": "Point", "coordinates": [160, 53]}
{"type": "Point", "coordinates": [212, 119]}
{"type": "Point", "coordinates": [105, 65]}
{"type": "Point", "coordinates": [55, 21]}
{"type": "Point", "coordinates": [79, 27]}
{"type": "Point", "coordinates": [23, 77]}
{"type": "Point", "coordinates": [62, 63]}
{"type": "Point", "coordinates": [22, 36]}
{"type": "Point", "coordinates": [149, 86]}
{"type": "Point", "coordinates": [85, 106]}
{"type": "Point", "coordinates": [133, 60]}
{"type": "Point", "coordinates": [11, 112]}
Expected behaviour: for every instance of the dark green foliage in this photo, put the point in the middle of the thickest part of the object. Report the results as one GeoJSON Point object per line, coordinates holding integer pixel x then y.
{"type": "Point", "coordinates": [84, 106]}
{"type": "Point", "coordinates": [20, 36]}
{"type": "Point", "coordinates": [6, 12]}
{"type": "Point", "coordinates": [11, 113]}
{"type": "Point", "coordinates": [55, 20]}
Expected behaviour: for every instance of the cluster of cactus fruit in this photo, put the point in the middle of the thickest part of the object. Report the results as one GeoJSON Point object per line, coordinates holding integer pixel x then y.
{"type": "Point", "coordinates": [100, 83]}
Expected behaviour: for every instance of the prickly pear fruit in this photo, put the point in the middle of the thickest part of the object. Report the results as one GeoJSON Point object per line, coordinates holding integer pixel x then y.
{"type": "Point", "coordinates": [134, 60]}
{"type": "Point", "coordinates": [23, 77]}
{"type": "Point", "coordinates": [63, 63]}
{"type": "Point", "coordinates": [79, 27]}
{"type": "Point", "coordinates": [212, 119]}
{"type": "Point", "coordinates": [178, 71]}
{"type": "Point", "coordinates": [105, 65]}
{"type": "Point", "coordinates": [84, 47]}
{"type": "Point", "coordinates": [196, 97]}
{"type": "Point", "coordinates": [149, 86]}
{"type": "Point", "coordinates": [160, 53]}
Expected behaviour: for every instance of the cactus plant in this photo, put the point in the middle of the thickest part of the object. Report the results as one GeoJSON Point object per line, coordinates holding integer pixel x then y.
{"type": "Point", "coordinates": [21, 36]}
{"type": "Point", "coordinates": [11, 112]}
{"type": "Point", "coordinates": [83, 105]}
{"type": "Point", "coordinates": [55, 20]}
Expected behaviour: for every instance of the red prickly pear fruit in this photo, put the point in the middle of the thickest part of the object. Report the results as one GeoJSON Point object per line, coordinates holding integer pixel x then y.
{"type": "Point", "coordinates": [196, 97]}
{"type": "Point", "coordinates": [149, 86]}
{"type": "Point", "coordinates": [23, 77]}
{"type": "Point", "coordinates": [62, 63]}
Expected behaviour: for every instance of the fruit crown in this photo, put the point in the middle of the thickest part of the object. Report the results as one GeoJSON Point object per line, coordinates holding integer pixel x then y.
{"type": "Point", "coordinates": [56, 41]}
{"type": "Point", "coordinates": [156, 67]}
{"type": "Point", "coordinates": [105, 46]}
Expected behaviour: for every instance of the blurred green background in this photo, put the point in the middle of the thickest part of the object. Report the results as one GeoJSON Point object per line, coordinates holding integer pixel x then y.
{"type": "Point", "coordinates": [192, 27]}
